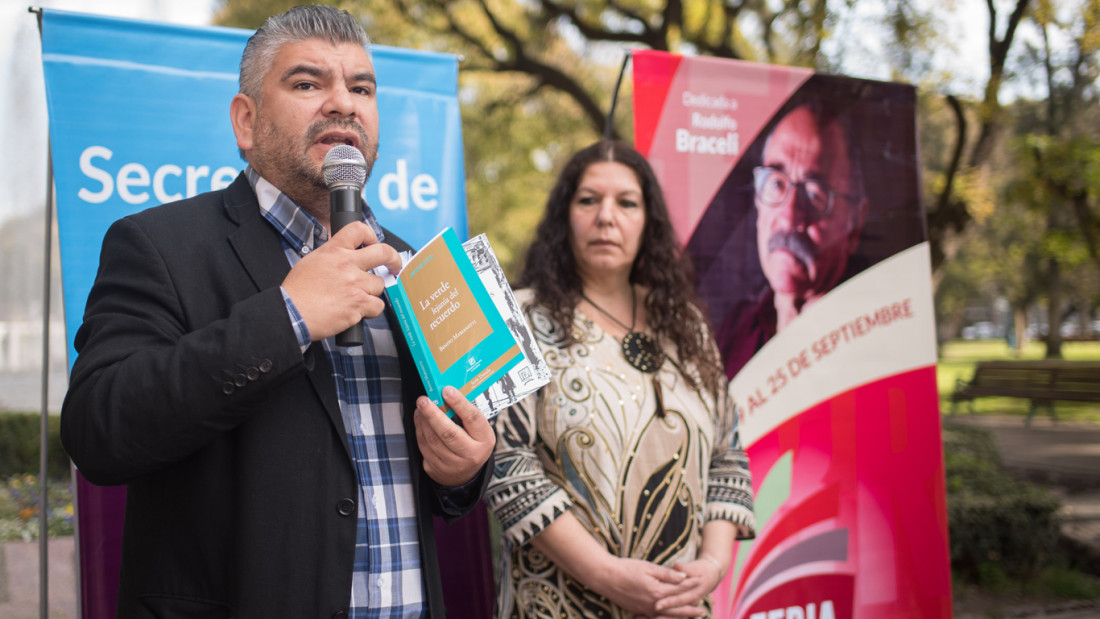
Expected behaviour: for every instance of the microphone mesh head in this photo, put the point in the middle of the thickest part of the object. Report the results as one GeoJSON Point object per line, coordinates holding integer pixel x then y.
{"type": "Point", "coordinates": [344, 165]}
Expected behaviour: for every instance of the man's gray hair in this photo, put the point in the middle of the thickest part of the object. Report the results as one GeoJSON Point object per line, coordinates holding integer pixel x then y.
{"type": "Point", "coordinates": [298, 24]}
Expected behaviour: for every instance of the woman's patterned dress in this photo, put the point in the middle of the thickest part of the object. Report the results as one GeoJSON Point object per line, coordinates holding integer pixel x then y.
{"type": "Point", "coordinates": [593, 442]}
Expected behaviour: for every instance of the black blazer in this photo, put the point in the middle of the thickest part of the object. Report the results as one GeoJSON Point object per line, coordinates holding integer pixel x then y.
{"type": "Point", "coordinates": [191, 389]}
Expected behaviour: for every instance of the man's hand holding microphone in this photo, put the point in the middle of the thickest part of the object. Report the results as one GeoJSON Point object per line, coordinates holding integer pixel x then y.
{"type": "Point", "coordinates": [333, 287]}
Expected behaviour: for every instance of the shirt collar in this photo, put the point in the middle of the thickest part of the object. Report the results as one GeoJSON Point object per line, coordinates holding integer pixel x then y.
{"type": "Point", "coordinates": [298, 228]}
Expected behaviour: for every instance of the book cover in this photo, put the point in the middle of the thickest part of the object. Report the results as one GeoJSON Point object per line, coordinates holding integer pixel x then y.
{"type": "Point", "coordinates": [455, 332]}
{"type": "Point", "coordinates": [532, 371]}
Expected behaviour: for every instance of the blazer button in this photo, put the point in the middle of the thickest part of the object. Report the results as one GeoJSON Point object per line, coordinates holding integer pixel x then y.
{"type": "Point", "coordinates": [253, 374]}
{"type": "Point", "coordinates": [240, 380]}
{"type": "Point", "coordinates": [346, 507]}
{"type": "Point", "coordinates": [265, 366]}
{"type": "Point", "coordinates": [228, 388]}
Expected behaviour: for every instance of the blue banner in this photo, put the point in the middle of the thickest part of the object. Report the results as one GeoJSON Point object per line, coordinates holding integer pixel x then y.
{"type": "Point", "coordinates": [139, 115]}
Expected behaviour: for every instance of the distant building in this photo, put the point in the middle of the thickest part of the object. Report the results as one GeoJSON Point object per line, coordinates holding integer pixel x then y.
{"type": "Point", "coordinates": [21, 345]}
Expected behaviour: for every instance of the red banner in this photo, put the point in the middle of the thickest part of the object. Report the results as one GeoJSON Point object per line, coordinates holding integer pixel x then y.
{"type": "Point", "coordinates": [797, 195]}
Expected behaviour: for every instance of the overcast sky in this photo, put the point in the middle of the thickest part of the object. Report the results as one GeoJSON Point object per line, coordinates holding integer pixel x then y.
{"type": "Point", "coordinates": [23, 101]}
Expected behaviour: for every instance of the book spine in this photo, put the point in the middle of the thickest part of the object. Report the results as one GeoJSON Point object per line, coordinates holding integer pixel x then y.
{"type": "Point", "coordinates": [418, 347]}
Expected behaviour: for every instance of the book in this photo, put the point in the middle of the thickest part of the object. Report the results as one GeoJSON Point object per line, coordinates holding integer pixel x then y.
{"type": "Point", "coordinates": [531, 372]}
{"type": "Point", "coordinates": [463, 325]}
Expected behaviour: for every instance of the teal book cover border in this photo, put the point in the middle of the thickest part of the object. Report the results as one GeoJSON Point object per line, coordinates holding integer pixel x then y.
{"type": "Point", "coordinates": [418, 347]}
{"type": "Point", "coordinates": [484, 353]}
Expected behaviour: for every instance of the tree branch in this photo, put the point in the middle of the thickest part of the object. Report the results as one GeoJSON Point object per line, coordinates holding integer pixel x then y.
{"type": "Point", "coordinates": [543, 73]}
{"type": "Point", "coordinates": [950, 215]}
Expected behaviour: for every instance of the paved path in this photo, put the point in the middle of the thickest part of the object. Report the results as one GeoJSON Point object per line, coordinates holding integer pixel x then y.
{"type": "Point", "coordinates": [19, 595]}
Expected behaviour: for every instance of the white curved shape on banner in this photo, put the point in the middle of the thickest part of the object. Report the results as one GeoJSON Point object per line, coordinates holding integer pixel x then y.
{"type": "Point", "coordinates": [841, 342]}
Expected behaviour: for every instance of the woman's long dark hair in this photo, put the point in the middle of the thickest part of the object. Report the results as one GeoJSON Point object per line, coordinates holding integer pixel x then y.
{"type": "Point", "coordinates": [551, 269]}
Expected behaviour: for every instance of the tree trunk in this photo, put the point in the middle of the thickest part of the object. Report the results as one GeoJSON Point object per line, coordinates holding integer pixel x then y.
{"type": "Point", "coordinates": [1054, 309]}
{"type": "Point", "coordinates": [1019, 327]}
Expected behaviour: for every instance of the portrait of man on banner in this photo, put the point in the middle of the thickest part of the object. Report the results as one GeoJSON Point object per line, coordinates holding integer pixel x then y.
{"type": "Point", "coordinates": [825, 190]}
{"type": "Point", "coordinates": [810, 256]}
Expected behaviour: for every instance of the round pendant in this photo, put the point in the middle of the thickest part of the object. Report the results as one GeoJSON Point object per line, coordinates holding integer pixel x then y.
{"type": "Point", "coordinates": [641, 352]}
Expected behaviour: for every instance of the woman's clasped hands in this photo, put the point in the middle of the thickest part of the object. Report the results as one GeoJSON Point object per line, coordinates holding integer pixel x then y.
{"type": "Point", "coordinates": [657, 592]}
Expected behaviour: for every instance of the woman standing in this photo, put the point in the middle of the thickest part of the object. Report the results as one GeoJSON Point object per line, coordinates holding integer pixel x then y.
{"type": "Point", "coordinates": [620, 486]}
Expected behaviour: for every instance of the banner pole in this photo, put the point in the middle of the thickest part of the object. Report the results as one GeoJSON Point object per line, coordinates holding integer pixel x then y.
{"type": "Point", "coordinates": [43, 454]}
{"type": "Point", "coordinates": [43, 448]}
{"type": "Point", "coordinates": [608, 128]}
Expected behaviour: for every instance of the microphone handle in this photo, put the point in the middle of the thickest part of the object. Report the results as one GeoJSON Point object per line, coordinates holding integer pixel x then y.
{"type": "Point", "coordinates": [345, 208]}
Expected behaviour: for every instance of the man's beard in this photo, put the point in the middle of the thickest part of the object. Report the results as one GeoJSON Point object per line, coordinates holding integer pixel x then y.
{"type": "Point", "coordinates": [288, 164]}
{"type": "Point", "coordinates": [797, 244]}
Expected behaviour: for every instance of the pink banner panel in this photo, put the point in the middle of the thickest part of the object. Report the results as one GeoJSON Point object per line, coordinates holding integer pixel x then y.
{"type": "Point", "coordinates": [797, 197]}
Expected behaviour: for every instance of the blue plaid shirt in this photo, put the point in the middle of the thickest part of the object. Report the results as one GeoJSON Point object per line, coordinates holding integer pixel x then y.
{"type": "Point", "coordinates": [386, 581]}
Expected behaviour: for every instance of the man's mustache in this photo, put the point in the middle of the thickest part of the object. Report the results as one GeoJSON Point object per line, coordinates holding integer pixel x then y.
{"type": "Point", "coordinates": [344, 124]}
{"type": "Point", "coordinates": [798, 244]}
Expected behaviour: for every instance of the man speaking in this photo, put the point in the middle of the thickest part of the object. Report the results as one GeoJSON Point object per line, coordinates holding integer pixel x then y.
{"type": "Point", "coordinates": [270, 472]}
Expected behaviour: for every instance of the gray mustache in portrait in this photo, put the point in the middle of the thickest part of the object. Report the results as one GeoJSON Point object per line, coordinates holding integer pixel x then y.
{"type": "Point", "coordinates": [797, 243]}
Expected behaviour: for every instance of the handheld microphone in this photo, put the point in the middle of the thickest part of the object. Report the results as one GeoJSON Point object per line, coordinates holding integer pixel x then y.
{"type": "Point", "coordinates": [345, 172]}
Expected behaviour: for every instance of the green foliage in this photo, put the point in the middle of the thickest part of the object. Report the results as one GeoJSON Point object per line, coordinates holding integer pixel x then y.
{"type": "Point", "coordinates": [251, 13]}
{"type": "Point", "coordinates": [1001, 530]}
{"type": "Point", "coordinates": [513, 153]}
{"type": "Point", "coordinates": [992, 577]}
{"type": "Point", "coordinates": [974, 189]}
{"type": "Point", "coordinates": [1004, 534]}
{"type": "Point", "coordinates": [20, 493]}
{"type": "Point", "coordinates": [972, 461]}
{"type": "Point", "coordinates": [20, 435]}
{"type": "Point", "coordinates": [1066, 583]}
{"type": "Point", "coordinates": [1036, 202]}
{"type": "Point", "coordinates": [999, 255]}
{"type": "Point", "coordinates": [1056, 177]}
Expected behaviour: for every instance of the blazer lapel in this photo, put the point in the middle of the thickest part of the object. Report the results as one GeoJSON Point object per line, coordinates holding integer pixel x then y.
{"type": "Point", "coordinates": [260, 251]}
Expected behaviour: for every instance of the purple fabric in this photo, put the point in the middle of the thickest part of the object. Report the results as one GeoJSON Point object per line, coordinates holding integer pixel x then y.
{"type": "Point", "coordinates": [465, 556]}
{"type": "Point", "coordinates": [99, 512]}
{"type": "Point", "coordinates": [466, 565]}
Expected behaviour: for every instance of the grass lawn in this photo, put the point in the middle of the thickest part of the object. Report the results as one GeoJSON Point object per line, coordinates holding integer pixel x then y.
{"type": "Point", "coordinates": [957, 359]}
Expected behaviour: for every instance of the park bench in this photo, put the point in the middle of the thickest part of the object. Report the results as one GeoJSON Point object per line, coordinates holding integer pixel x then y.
{"type": "Point", "coordinates": [1043, 382]}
